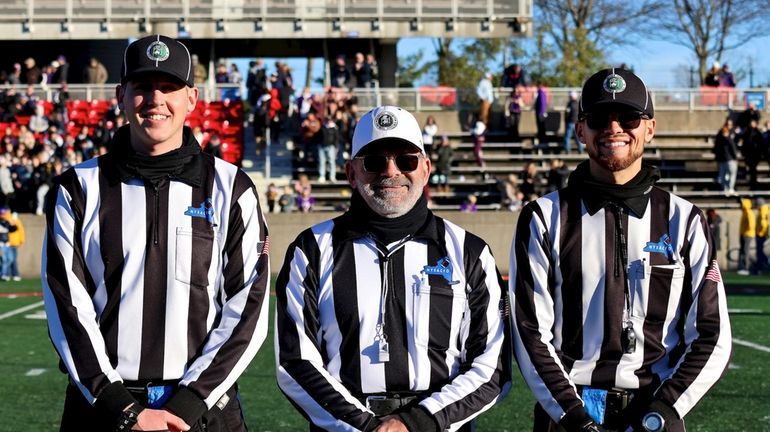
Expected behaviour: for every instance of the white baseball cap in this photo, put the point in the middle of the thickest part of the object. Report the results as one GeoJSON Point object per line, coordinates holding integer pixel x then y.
{"type": "Point", "coordinates": [387, 122]}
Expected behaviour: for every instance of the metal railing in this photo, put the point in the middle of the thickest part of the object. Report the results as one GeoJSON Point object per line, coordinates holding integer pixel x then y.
{"type": "Point", "coordinates": [451, 99]}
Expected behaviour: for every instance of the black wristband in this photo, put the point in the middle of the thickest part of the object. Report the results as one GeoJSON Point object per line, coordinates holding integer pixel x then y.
{"type": "Point", "coordinates": [129, 417]}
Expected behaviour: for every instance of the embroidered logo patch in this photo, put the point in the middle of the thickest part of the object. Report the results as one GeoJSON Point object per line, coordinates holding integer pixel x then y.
{"type": "Point", "coordinates": [205, 211]}
{"type": "Point", "coordinates": [662, 246]}
{"type": "Point", "coordinates": [158, 51]}
{"type": "Point", "coordinates": [614, 83]}
{"type": "Point", "coordinates": [385, 121]}
{"type": "Point", "coordinates": [442, 268]}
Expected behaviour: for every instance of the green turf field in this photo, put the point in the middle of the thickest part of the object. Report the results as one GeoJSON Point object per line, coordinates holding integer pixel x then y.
{"type": "Point", "coordinates": [33, 388]}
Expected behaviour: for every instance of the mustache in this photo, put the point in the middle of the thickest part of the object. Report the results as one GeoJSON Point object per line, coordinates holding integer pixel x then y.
{"type": "Point", "coordinates": [391, 182]}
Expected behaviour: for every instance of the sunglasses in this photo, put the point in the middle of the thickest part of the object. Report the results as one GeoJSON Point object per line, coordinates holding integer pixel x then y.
{"type": "Point", "coordinates": [377, 163]}
{"type": "Point", "coordinates": [627, 119]}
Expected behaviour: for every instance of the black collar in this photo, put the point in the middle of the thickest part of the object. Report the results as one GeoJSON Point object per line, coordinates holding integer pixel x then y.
{"type": "Point", "coordinates": [596, 194]}
{"type": "Point", "coordinates": [116, 170]}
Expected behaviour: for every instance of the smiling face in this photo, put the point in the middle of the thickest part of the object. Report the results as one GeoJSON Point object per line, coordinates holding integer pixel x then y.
{"type": "Point", "coordinates": [391, 192]}
{"type": "Point", "coordinates": [156, 106]}
{"type": "Point", "coordinates": [615, 150]}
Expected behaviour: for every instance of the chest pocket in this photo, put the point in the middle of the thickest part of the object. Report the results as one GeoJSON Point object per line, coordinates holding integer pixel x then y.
{"type": "Point", "coordinates": [661, 283]}
{"type": "Point", "coordinates": [439, 313]}
{"type": "Point", "coordinates": [195, 251]}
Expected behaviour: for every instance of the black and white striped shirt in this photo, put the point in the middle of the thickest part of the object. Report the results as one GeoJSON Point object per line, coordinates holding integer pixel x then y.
{"type": "Point", "coordinates": [443, 325]}
{"type": "Point", "coordinates": [147, 283]}
{"type": "Point", "coordinates": [569, 301]}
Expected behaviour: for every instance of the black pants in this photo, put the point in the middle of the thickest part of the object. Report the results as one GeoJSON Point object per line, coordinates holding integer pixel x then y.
{"type": "Point", "coordinates": [80, 416]}
{"type": "Point", "coordinates": [544, 423]}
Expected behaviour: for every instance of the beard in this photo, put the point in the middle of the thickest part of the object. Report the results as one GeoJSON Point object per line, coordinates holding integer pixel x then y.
{"type": "Point", "coordinates": [614, 163]}
{"type": "Point", "coordinates": [390, 204]}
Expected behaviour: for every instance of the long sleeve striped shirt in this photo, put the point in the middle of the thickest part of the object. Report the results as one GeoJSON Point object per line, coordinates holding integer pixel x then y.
{"type": "Point", "coordinates": [434, 296]}
{"type": "Point", "coordinates": [163, 282]}
{"type": "Point", "coordinates": [573, 295]}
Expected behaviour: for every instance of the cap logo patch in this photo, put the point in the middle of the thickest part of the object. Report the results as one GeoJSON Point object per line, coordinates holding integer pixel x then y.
{"type": "Point", "coordinates": [158, 51]}
{"type": "Point", "coordinates": [385, 121]}
{"type": "Point", "coordinates": [614, 83]}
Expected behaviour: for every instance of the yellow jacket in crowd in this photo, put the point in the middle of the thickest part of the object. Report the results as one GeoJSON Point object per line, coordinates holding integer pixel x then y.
{"type": "Point", "coordinates": [748, 227]}
{"type": "Point", "coordinates": [15, 238]}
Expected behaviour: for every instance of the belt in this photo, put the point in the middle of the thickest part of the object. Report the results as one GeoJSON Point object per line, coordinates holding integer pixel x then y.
{"type": "Point", "coordinates": [615, 401]}
{"type": "Point", "coordinates": [388, 403]}
{"type": "Point", "coordinates": [143, 386]}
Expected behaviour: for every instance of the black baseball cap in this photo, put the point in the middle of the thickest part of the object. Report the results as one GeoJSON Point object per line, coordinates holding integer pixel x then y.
{"type": "Point", "coordinates": [160, 54]}
{"type": "Point", "coordinates": [615, 86]}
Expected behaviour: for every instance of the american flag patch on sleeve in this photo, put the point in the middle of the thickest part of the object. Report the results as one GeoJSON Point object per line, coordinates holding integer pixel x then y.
{"type": "Point", "coordinates": [713, 273]}
{"type": "Point", "coordinates": [264, 246]}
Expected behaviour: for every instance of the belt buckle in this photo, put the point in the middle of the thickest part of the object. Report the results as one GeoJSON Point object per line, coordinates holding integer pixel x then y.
{"type": "Point", "coordinates": [382, 405]}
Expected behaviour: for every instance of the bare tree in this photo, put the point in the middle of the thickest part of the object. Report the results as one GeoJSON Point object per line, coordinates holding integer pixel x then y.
{"type": "Point", "coordinates": [710, 27]}
{"type": "Point", "coordinates": [582, 29]}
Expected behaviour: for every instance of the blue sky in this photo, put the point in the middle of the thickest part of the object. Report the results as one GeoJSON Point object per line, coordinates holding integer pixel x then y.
{"type": "Point", "coordinates": [659, 63]}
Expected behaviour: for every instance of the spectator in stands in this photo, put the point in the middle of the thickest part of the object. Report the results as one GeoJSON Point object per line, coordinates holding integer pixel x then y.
{"type": "Point", "coordinates": [374, 69]}
{"type": "Point", "coordinates": [745, 117]}
{"type": "Point", "coordinates": [310, 136]}
{"type": "Point", "coordinates": [95, 72]}
{"type": "Point", "coordinates": [513, 105]}
{"type": "Point", "coordinates": [272, 197]}
{"type": "Point", "coordinates": [570, 119]}
{"type": "Point", "coordinates": [442, 155]}
{"type": "Point", "coordinates": [469, 205]}
{"type": "Point", "coordinates": [429, 131]}
{"type": "Point", "coordinates": [513, 76]}
{"type": "Point", "coordinates": [214, 146]}
{"type": "Point", "coordinates": [530, 182]}
{"type": "Point", "coordinates": [32, 72]}
{"type": "Point", "coordinates": [748, 232]}
{"type": "Point", "coordinates": [726, 155]}
{"type": "Point", "coordinates": [63, 71]}
{"type": "Point", "coordinates": [286, 201]}
{"type": "Point", "coordinates": [234, 76]}
{"type": "Point", "coordinates": [541, 112]}
{"type": "Point", "coordinates": [486, 95]}
{"type": "Point", "coordinates": [362, 72]}
{"type": "Point", "coordinates": [510, 194]}
{"type": "Point", "coordinates": [199, 71]}
{"type": "Point", "coordinates": [38, 123]}
{"type": "Point", "coordinates": [327, 151]}
{"type": "Point", "coordinates": [340, 75]}
{"type": "Point", "coordinates": [302, 183]}
{"type": "Point", "coordinates": [83, 143]}
{"type": "Point", "coordinates": [715, 226]}
{"type": "Point", "coordinates": [305, 201]}
{"type": "Point", "coordinates": [763, 232]}
{"type": "Point", "coordinates": [478, 134]}
{"type": "Point", "coordinates": [15, 77]}
{"type": "Point", "coordinates": [16, 239]}
{"type": "Point", "coordinates": [256, 82]}
{"type": "Point", "coordinates": [751, 149]}
{"type": "Point", "coordinates": [222, 76]}
{"type": "Point", "coordinates": [726, 78]}
{"type": "Point", "coordinates": [557, 175]}
{"type": "Point", "coordinates": [712, 76]}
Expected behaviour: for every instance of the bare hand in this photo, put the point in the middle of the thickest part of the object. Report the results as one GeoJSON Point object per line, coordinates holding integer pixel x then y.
{"type": "Point", "coordinates": [159, 420]}
{"type": "Point", "coordinates": [391, 423]}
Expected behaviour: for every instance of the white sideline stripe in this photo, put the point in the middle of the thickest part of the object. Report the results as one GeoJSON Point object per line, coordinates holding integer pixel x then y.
{"type": "Point", "coordinates": [757, 347]}
{"type": "Point", "coordinates": [21, 310]}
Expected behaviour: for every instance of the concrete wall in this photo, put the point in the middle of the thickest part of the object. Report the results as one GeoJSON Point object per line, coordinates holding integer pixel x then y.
{"type": "Point", "coordinates": [494, 227]}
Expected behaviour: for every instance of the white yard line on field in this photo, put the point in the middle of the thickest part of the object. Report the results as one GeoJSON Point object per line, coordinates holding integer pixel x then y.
{"type": "Point", "coordinates": [757, 347]}
{"type": "Point", "coordinates": [21, 310]}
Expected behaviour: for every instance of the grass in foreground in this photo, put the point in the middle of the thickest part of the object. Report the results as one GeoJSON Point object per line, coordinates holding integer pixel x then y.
{"type": "Point", "coordinates": [33, 388]}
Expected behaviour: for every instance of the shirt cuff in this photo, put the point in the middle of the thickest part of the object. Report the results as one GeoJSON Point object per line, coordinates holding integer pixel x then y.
{"type": "Point", "coordinates": [114, 399]}
{"type": "Point", "coordinates": [186, 405]}
{"type": "Point", "coordinates": [418, 419]}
